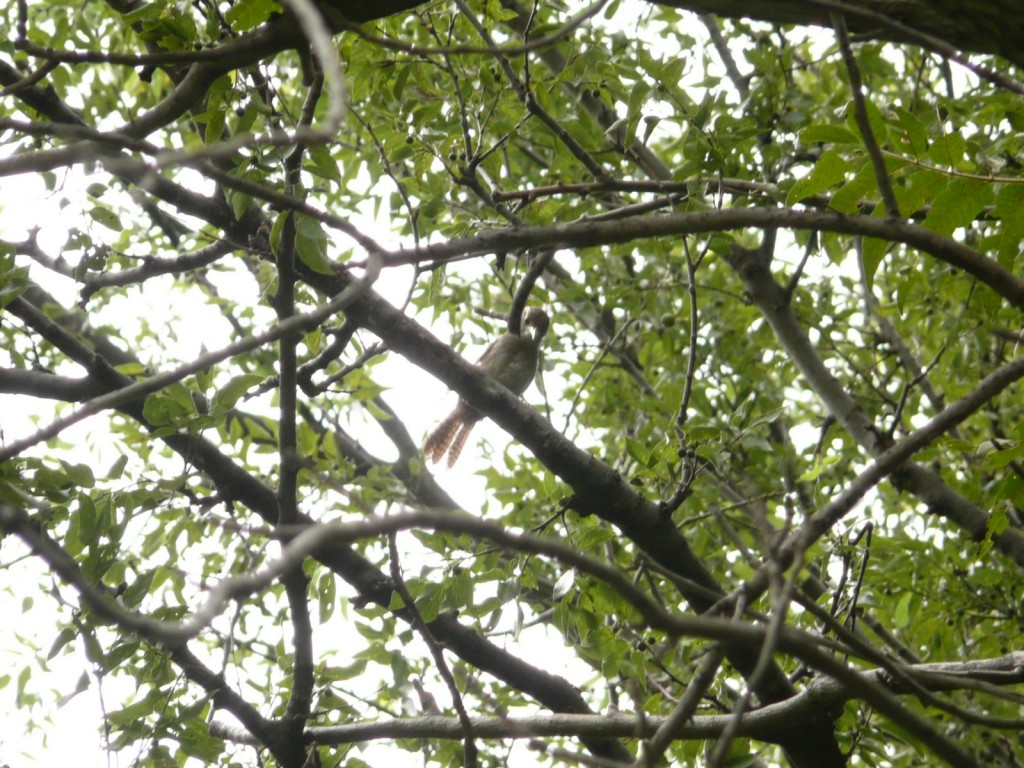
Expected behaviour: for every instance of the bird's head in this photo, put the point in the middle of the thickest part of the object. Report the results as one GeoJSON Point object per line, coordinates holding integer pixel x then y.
{"type": "Point", "coordinates": [538, 320]}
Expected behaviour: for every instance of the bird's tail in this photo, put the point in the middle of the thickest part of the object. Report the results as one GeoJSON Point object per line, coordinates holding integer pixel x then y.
{"type": "Point", "coordinates": [460, 442]}
{"type": "Point", "coordinates": [438, 441]}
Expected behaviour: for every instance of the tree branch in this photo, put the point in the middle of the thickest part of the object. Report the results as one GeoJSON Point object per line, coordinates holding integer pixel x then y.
{"type": "Point", "coordinates": [583, 234]}
{"type": "Point", "coordinates": [821, 693]}
{"type": "Point", "coordinates": [770, 298]}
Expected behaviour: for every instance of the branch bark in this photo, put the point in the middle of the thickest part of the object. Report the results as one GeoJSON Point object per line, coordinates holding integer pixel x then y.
{"type": "Point", "coordinates": [821, 693]}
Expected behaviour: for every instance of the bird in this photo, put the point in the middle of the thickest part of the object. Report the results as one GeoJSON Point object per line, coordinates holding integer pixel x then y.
{"type": "Point", "coordinates": [511, 359]}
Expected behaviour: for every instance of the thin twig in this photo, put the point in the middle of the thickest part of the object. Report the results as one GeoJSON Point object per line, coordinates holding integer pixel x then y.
{"type": "Point", "coordinates": [780, 608]}
{"type": "Point", "coordinates": [435, 651]}
{"type": "Point", "coordinates": [699, 683]}
{"type": "Point", "coordinates": [860, 112]}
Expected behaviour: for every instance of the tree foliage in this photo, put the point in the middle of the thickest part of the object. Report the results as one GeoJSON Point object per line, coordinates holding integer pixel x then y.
{"type": "Point", "coordinates": [764, 507]}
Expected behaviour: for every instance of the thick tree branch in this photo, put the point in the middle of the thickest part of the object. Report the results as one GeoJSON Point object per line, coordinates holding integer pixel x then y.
{"type": "Point", "coordinates": [583, 234]}
{"type": "Point", "coordinates": [16, 381]}
{"type": "Point", "coordinates": [821, 693]}
{"type": "Point", "coordinates": [948, 27]}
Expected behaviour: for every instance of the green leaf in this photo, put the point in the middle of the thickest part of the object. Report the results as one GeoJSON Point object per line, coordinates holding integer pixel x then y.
{"type": "Point", "coordinates": [849, 197]}
{"type": "Point", "coordinates": [634, 109]}
{"type": "Point", "coordinates": [958, 205]}
{"type": "Point", "coordinates": [828, 171]}
{"type": "Point", "coordinates": [998, 521]}
{"type": "Point", "coordinates": [226, 397]}
{"type": "Point", "coordinates": [913, 133]}
{"type": "Point", "coordinates": [239, 202]}
{"type": "Point", "coordinates": [246, 14]}
{"type": "Point", "coordinates": [80, 686]}
{"type": "Point", "coordinates": [948, 150]}
{"type": "Point", "coordinates": [588, 539]}
{"type": "Point", "coordinates": [276, 231]}
{"type": "Point", "coordinates": [117, 468]}
{"type": "Point", "coordinates": [215, 124]}
{"type": "Point", "coordinates": [872, 251]}
{"type": "Point", "coordinates": [815, 471]}
{"type": "Point", "coordinates": [349, 672]}
{"type": "Point", "coordinates": [901, 616]}
{"type": "Point", "coordinates": [496, 11]}
{"type": "Point", "coordinates": [88, 521]}
{"type": "Point", "coordinates": [106, 217]}
{"type": "Point", "coordinates": [642, 453]}
{"type": "Point", "coordinates": [322, 163]}
{"type": "Point", "coordinates": [327, 591]}
{"type": "Point", "coordinates": [919, 190]}
{"type": "Point", "coordinates": [1000, 458]}
{"type": "Point", "coordinates": [879, 128]}
{"type": "Point", "coordinates": [311, 244]}
{"type": "Point", "coordinates": [827, 134]}
{"type": "Point", "coordinates": [162, 410]}
{"type": "Point", "coordinates": [79, 474]}
{"type": "Point", "coordinates": [13, 283]}
{"type": "Point", "coordinates": [1010, 212]}
{"type": "Point", "coordinates": [430, 601]}
{"type": "Point", "coordinates": [65, 636]}
{"type": "Point", "coordinates": [196, 741]}
{"type": "Point", "coordinates": [458, 589]}
{"type": "Point", "coordinates": [23, 677]}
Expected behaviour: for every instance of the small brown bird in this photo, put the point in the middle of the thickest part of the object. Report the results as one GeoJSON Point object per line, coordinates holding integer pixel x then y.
{"type": "Point", "coordinates": [512, 361]}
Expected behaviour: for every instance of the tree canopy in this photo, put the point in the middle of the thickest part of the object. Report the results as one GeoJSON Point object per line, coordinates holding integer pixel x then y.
{"type": "Point", "coordinates": [764, 505]}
